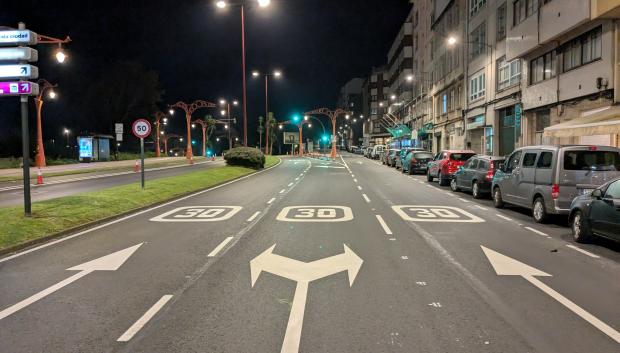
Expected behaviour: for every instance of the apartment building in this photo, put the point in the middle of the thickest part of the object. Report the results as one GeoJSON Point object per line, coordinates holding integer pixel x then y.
{"type": "Point", "coordinates": [350, 98]}
{"type": "Point", "coordinates": [375, 98]}
{"type": "Point", "coordinates": [399, 68]}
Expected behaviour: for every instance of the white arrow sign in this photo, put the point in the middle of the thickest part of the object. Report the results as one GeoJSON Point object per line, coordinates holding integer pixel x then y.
{"type": "Point", "coordinates": [106, 263]}
{"type": "Point", "coordinates": [19, 71]}
{"type": "Point", "coordinates": [507, 266]}
{"type": "Point", "coordinates": [303, 273]}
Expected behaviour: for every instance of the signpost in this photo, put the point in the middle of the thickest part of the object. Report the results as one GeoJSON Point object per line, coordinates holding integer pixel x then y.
{"type": "Point", "coordinates": [118, 129]}
{"type": "Point", "coordinates": [18, 88]}
{"type": "Point", "coordinates": [24, 71]}
{"type": "Point", "coordinates": [141, 128]}
{"type": "Point", "coordinates": [19, 54]}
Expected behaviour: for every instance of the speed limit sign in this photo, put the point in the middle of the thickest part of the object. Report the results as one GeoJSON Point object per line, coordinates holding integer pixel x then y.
{"type": "Point", "coordinates": [141, 128]}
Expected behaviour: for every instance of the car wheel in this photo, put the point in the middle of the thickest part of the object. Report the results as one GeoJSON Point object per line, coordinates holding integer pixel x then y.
{"type": "Point", "coordinates": [498, 202]}
{"type": "Point", "coordinates": [539, 211]}
{"type": "Point", "coordinates": [581, 232]}
{"type": "Point", "coordinates": [475, 190]}
{"type": "Point", "coordinates": [453, 185]}
{"type": "Point", "coordinates": [442, 181]}
{"type": "Point", "coordinates": [428, 176]}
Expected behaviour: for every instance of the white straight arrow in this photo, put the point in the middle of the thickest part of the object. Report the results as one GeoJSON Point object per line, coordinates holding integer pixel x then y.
{"type": "Point", "coordinates": [507, 266]}
{"type": "Point", "coordinates": [303, 273]}
{"type": "Point", "coordinates": [109, 262]}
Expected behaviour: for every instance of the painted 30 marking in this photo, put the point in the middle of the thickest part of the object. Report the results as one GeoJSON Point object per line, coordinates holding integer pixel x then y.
{"type": "Point", "coordinates": [315, 214]}
{"type": "Point", "coordinates": [198, 214]}
{"type": "Point", "coordinates": [418, 213]}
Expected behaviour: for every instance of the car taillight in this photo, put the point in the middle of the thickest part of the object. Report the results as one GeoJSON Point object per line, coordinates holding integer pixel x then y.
{"type": "Point", "coordinates": [593, 148]}
{"type": "Point", "coordinates": [490, 173]}
{"type": "Point", "coordinates": [555, 191]}
{"type": "Point", "coordinates": [414, 161]}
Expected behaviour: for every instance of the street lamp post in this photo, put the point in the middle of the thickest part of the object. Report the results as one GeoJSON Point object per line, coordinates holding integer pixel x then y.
{"type": "Point", "coordinates": [159, 118]}
{"type": "Point", "coordinates": [333, 116]}
{"type": "Point", "coordinates": [300, 124]}
{"type": "Point", "coordinates": [67, 132]}
{"type": "Point", "coordinates": [276, 74]}
{"type": "Point", "coordinates": [229, 119]}
{"type": "Point", "coordinates": [189, 109]}
{"type": "Point", "coordinates": [242, 3]}
{"type": "Point", "coordinates": [44, 86]}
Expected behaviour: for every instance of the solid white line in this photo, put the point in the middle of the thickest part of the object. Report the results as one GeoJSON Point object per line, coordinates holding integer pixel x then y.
{"type": "Point", "coordinates": [366, 197]}
{"type": "Point", "coordinates": [272, 200]}
{"type": "Point", "coordinates": [385, 227]}
{"type": "Point", "coordinates": [462, 199]}
{"type": "Point", "coordinates": [132, 215]}
{"type": "Point", "coordinates": [352, 175]}
{"type": "Point", "coordinates": [253, 216]}
{"type": "Point", "coordinates": [585, 252]}
{"type": "Point", "coordinates": [148, 315]}
{"type": "Point", "coordinates": [482, 208]}
{"type": "Point", "coordinates": [282, 191]}
{"type": "Point", "coordinates": [220, 247]}
{"type": "Point", "coordinates": [355, 180]}
{"type": "Point", "coordinates": [359, 188]}
{"type": "Point", "coordinates": [537, 231]}
{"type": "Point", "coordinates": [290, 184]}
{"type": "Point", "coordinates": [297, 178]}
{"type": "Point", "coordinates": [503, 217]}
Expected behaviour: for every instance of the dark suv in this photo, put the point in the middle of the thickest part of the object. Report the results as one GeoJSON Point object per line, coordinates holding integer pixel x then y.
{"type": "Point", "coordinates": [476, 175]}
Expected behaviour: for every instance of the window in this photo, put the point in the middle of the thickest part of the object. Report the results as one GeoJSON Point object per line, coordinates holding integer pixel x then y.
{"type": "Point", "coordinates": [513, 162]}
{"type": "Point", "coordinates": [478, 40]}
{"type": "Point", "coordinates": [529, 159]}
{"type": "Point", "coordinates": [613, 190]}
{"type": "Point", "coordinates": [472, 164]}
{"type": "Point", "coordinates": [444, 103]}
{"type": "Point", "coordinates": [543, 120]}
{"type": "Point", "coordinates": [545, 159]}
{"type": "Point", "coordinates": [477, 86]}
{"type": "Point", "coordinates": [501, 22]}
{"type": "Point", "coordinates": [582, 50]}
{"type": "Point", "coordinates": [543, 67]}
{"type": "Point", "coordinates": [508, 73]}
{"type": "Point", "coordinates": [475, 6]}
{"type": "Point", "coordinates": [523, 9]}
{"type": "Point", "coordinates": [483, 165]}
{"type": "Point", "coordinates": [592, 160]}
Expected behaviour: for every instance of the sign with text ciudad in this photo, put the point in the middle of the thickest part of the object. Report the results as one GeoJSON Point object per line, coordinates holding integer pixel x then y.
{"type": "Point", "coordinates": [17, 37]}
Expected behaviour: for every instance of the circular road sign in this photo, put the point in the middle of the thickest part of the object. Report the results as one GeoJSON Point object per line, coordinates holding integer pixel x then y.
{"type": "Point", "coordinates": [141, 128]}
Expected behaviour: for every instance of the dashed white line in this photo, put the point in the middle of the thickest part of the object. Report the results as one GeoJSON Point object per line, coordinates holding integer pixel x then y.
{"type": "Point", "coordinates": [366, 197]}
{"type": "Point", "coordinates": [272, 200]}
{"type": "Point", "coordinates": [137, 326]}
{"type": "Point", "coordinates": [585, 252]}
{"type": "Point", "coordinates": [355, 180]}
{"type": "Point", "coordinates": [253, 216]}
{"type": "Point", "coordinates": [353, 175]}
{"type": "Point", "coordinates": [504, 217]}
{"type": "Point", "coordinates": [537, 232]}
{"type": "Point", "coordinates": [220, 247]}
{"type": "Point", "coordinates": [290, 184]}
{"type": "Point", "coordinates": [384, 225]}
{"type": "Point", "coordinates": [282, 191]}
{"type": "Point", "coordinates": [297, 178]}
{"type": "Point", "coordinates": [482, 208]}
{"type": "Point", "coordinates": [359, 188]}
{"type": "Point", "coordinates": [462, 199]}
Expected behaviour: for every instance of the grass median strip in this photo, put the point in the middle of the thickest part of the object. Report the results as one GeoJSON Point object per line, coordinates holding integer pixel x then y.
{"type": "Point", "coordinates": [57, 215]}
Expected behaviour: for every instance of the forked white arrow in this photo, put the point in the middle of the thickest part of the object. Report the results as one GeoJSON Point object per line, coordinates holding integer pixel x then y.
{"type": "Point", "coordinates": [109, 262]}
{"type": "Point", "coordinates": [507, 266]}
{"type": "Point", "coordinates": [303, 273]}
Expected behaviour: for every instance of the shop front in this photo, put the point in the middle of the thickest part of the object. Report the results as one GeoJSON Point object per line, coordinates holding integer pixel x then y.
{"type": "Point", "coordinates": [600, 126]}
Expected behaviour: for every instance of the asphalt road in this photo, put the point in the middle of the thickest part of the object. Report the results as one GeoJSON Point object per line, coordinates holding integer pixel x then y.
{"type": "Point", "coordinates": [12, 193]}
{"type": "Point", "coordinates": [315, 256]}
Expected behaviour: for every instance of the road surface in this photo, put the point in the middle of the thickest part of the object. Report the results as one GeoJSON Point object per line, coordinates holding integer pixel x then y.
{"type": "Point", "coordinates": [315, 256]}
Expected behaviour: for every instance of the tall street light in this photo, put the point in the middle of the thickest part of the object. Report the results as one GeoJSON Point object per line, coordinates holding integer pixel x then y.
{"type": "Point", "coordinates": [159, 119]}
{"type": "Point", "coordinates": [276, 74]}
{"type": "Point", "coordinates": [241, 4]}
{"type": "Point", "coordinates": [333, 116]}
{"type": "Point", "coordinates": [297, 121]}
{"type": "Point", "coordinates": [229, 119]}
{"type": "Point", "coordinates": [45, 86]}
{"type": "Point", "coordinates": [189, 109]}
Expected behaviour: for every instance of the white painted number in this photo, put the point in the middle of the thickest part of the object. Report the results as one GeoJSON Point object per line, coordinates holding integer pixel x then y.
{"type": "Point", "coordinates": [415, 213]}
{"type": "Point", "coordinates": [315, 214]}
{"type": "Point", "coordinates": [198, 214]}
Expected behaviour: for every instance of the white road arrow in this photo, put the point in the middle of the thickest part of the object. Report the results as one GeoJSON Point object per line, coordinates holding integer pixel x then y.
{"type": "Point", "coordinates": [303, 273]}
{"type": "Point", "coordinates": [507, 266]}
{"type": "Point", "coordinates": [106, 263]}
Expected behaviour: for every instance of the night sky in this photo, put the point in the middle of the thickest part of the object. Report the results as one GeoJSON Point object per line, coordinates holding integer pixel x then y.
{"type": "Point", "coordinates": [195, 47]}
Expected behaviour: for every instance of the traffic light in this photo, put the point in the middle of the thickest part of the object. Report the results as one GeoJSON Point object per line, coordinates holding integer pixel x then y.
{"type": "Point", "coordinates": [296, 118]}
{"type": "Point", "coordinates": [325, 138]}
{"type": "Point", "coordinates": [193, 142]}
{"type": "Point", "coordinates": [209, 153]}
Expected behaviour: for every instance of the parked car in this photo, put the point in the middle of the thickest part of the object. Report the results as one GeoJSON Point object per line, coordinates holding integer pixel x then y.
{"type": "Point", "coordinates": [597, 213]}
{"type": "Point", "coordinates": [367, 151]}
{"type": "Point", "coordinates": [360, 150]}
{"type": "Point", "coordinates": [376, 151]}
{"type": "Point", "coordinates": [416, 161]}
{"type": "Point", "coordinates": [400, 157]}
{"type": "Point", "coordinates": [390, 156]}
{"type": "Point", "coordinates": [353, 149]}
{"type": "Point", "coordinates": [546, 179]}
{"type": "Point", "coordinates": [476, 175]}
{"type": "Point", "coordinates": [446, 163]}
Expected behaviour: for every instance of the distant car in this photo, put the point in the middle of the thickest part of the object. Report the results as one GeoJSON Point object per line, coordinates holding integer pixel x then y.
{"type": "Point", "coordinates": [476, 175]}
{"type": "Point", "coordinates": [353, 149]}
{"type": "Point", "coordinates": [416, 162]}
{"type": "Point", "coordinates": [546, 179]}
{"type": "Point", "coordinates": [445, 164]}
{"type": "Point", "coordinates": [376, 151]}
{"type": "Point", "coordinates": [367, 151]}
{"type": "Point", "coordinates": [390, 156]}
{"type": "Point", "coordinates": [359, 150]}
{"type": "Point", "coordinates": [597, 213]}
{"type": "Point", "coordinates": [400, 157]}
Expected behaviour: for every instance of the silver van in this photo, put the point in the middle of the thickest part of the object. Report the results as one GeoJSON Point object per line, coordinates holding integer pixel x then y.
{"type": "Point", "coordinates": [546, 179]}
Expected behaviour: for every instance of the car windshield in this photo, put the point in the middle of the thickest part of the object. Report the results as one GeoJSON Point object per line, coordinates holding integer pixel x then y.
{"type": "Point", "coordinates": [592, 160]}
{"type": "Point", "coordinates": [422, 155]}
{"type": "Point", "coordinates": [461, 156]}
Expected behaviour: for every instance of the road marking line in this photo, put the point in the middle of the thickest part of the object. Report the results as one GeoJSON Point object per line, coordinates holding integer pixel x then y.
{"type": "Point", "coordinates": [482, 208]}
{"type": "Point", "coordinates": [297, 178]}
{"type": "Point", "coordinates": [220, 247]}
{"type": "Point", "coordinates": [133, 215]}
{"type": "Point", "coordinates": [504, 217]}
{"type": "Point", "coordinates": [355, 180]}
{"type": "Point", "coordinates": [353, 175]}
{"type": "Point", "coordinates": [290, 184]}
{"type": "Point", "coordinates": [148, 315]}
{"type": "Point", "coordinates": [282, 191]}
{"type": "Point", "coordinates": [392, 239]}
{"type": "Point", "coordinates": [272, 200]}
{"type": "Point", "coordinates": [405, 257]}
{"type": "Point", "coordinates": [462, 199]}
{"type": "Point", "coordinates": [585, 252]}
{"type": "Point", "coordinates": [366, 197]}
{"type": "Point", "coordinates": [537, 232]}
{"type": "Point", "coordinates": [359, 188]}
{"type": "Point", "coordinates": [385, 227]}
{"type": "Point", "coordinates": [253, 216]}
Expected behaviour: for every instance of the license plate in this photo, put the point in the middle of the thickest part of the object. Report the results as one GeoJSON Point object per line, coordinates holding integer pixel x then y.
{"type": "Point", "coordinates": [585, 191]}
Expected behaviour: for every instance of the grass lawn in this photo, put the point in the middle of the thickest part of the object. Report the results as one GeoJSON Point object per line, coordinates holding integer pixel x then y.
{"type": "Point", "coordinates": [56, 215]}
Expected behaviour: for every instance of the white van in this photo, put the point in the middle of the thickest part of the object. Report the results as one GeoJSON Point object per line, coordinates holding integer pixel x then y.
{"type": "Point", "coordinates": [376, 151]}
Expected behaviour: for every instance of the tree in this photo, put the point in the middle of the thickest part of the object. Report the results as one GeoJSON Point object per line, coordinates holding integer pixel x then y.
{"type": "Point", "coordinates": [273, 132]}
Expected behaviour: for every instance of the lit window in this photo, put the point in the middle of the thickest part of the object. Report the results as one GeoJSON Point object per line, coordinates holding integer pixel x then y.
{"type": "Point", "coordinates": [477, 86]}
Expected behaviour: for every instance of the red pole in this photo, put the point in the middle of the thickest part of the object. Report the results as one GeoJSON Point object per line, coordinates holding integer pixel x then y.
{"type": "Point", "coordinates": [333, 155]}
{"type": "Point", "coordinates": [267, 113]}
{"type": "Point", "coordinates": [245, 111]}
{"type": "Point", "coordinates": [204, 140]}
{"type": "Point", "coordinates": [40, 157]}
{"type": "Point", "coordinates": [166, 145]}
{"type": "Point", "coordinates": [157, 152]}
{"type": "Point", "coordinates": [301, 141]}
{"type": "Point", "coordinates": [189, 154]}
{"type": "Point", "coordinates": [229, 127]}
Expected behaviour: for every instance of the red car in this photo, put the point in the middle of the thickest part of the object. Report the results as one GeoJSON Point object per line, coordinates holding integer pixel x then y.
{"type": "Point", "coordinates": [446, 163]}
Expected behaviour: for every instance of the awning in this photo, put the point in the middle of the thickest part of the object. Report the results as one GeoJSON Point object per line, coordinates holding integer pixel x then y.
{"type": "Point", "coordinates": [599, 121]}
{"type": "Point", "coordinates": [399, 130]}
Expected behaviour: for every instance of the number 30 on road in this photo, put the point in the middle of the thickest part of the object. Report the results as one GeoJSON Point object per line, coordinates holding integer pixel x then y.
{"type": "Point", "coordinates": [416, 213]}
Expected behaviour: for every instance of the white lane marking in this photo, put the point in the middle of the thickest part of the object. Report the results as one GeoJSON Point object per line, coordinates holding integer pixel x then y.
{"type": "Point", "coordinates": [220, 247]}
{"type": "Point", "coordinates": [297, 178]}
{"type": "Point", "coordinates": [271, 200]}
{"type": "Point", "coordinates": [282, 191]}
{"type": "Point", "coordinates": [132, 215]}
{"type": "Point", "coordinates": [585, 252]}
{"type": "Point", "coordinates": [359, 188]}
{"type": "Point", "coordinates": [405, 257]}
{"type": "Point", "coordinates": [352, 175]}
{"type": "Point", "coordinates": [384, 225]}
{"type": "Point", "coordinates": [253, 216]}
{"type": "Point", "coordinates": [392, 239]}
{"type": "Point", "coordinates": [355, 180]}
{"type": "Point", "coordinates": [198, 214]}
{"type": "Point", "coordinates": [482, 208]}
{"type": "Point", "coordinates": [462, 199]}
{"type": "Point", "coordinates": [290, 184]}
{"type": "Point", "coordinates": [537, 232]}
{"type": "Point", "coordinates": [366, 197]}
{"type": "Point", "coordinates": [423, 213]}
{"type": "Point", "coordinates": [148, 315]}
{"type": "Point", "coordinates": [503, 217]}
{"type": "Point", "coordinates": [315, 214]}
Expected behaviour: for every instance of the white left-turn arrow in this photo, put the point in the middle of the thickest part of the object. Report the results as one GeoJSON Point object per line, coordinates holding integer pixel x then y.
{"type": "Point", "coordinates": [109, 262]}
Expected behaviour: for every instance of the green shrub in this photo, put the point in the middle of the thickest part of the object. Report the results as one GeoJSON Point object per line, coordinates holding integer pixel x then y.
{"type": "Point", "coordinates": [245, 157]}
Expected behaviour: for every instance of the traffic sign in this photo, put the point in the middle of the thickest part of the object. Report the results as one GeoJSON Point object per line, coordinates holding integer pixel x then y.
{"type": "Point", "coordinates": [19, 71]}
{"type": "Point", "coordinates": [15, 37]}
{"type": "Point", "coordinates": [18, 88]}
{"type": "Point", "coordinates": [141, 128]}
{"type": "Point", "coordinates": [118, 128]}
{"type": "Point", "coordinates": [19, 54]}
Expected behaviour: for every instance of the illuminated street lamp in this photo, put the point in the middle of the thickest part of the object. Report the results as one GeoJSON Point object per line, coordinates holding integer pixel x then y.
{"type": "Point", "coordinates": [44, 86]}
{"type": "Point", "coordinates": [333, 116]}
{"type": "Point", "coordinates": [159, 117]}
{"type": "Point", "coordinates": [67, 132]}
{"type": "Point", "coordinates": [189, 109]}
{"type": "Point", "coordinates": [277, 74]}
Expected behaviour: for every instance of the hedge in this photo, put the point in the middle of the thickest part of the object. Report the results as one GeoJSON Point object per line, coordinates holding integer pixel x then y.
{"type": "Point", "coordinates": [245, 157]}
